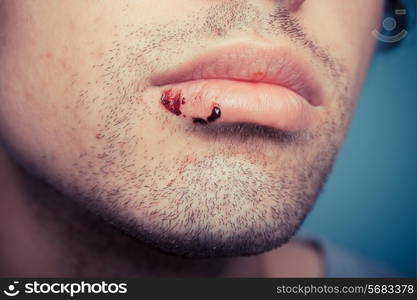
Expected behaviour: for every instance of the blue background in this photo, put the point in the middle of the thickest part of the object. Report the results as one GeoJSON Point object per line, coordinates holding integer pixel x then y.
{"type": "Point", "coordinates": [368, 205]}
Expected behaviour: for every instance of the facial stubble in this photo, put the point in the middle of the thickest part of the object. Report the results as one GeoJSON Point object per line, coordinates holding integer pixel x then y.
{"type": "Point", "coordinates": [224, 203]}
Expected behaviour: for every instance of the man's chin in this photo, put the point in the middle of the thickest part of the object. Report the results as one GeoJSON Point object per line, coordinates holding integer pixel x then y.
{"type": "Point", "coordinates": [209, 242]}
{"type": "Point", "coordinates": [211, 247]}
{"type": "Point", "coordinates": [216, 207]}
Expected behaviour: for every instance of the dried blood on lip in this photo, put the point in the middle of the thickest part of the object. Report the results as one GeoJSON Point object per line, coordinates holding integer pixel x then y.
{"type": "Point", "coordinates": [215, 114]}
{"type": "Point", "coordinates": [172, 101]}
{"type": "Point", "coordinates": [199, 120]}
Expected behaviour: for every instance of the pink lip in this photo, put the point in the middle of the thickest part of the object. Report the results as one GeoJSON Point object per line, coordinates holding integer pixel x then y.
{"type": "Point", "coordinates": [263, 85]}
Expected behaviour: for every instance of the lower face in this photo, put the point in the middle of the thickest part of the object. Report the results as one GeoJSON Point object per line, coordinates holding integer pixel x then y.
{"type": "Point", "coordinates": [79, 108]}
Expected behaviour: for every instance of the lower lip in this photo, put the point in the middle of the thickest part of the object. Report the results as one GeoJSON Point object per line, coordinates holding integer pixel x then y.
{"type": "Point", "coordinates": [231, 101]}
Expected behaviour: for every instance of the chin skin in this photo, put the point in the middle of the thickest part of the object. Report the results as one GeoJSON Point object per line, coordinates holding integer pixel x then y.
{"type": "Point", "coordinates": [91, 126]}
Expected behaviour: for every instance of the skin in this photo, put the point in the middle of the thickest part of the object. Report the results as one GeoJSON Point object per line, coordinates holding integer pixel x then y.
{"type": "Point", "coordinates": [102, 178]}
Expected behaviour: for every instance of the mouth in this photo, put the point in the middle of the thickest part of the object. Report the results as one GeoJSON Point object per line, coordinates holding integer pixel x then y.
{"type": "Point", "coordinates": [266, 86]}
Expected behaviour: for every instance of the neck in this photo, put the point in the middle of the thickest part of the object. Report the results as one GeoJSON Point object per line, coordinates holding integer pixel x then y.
{"type": "Point", "coordinates": [45, 234]}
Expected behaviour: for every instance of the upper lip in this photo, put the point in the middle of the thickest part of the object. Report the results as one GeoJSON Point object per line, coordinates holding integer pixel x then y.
{"type": "Point", "coordinates": [279, 66]}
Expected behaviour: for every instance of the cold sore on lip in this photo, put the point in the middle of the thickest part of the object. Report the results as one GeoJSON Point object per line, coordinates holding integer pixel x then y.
{"type": "Point", "coordinates": [173, 100]}
{"type": "Point", "coordinates": [231, 101]}
{"type": "Point", "coordinates": [228, 87]}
